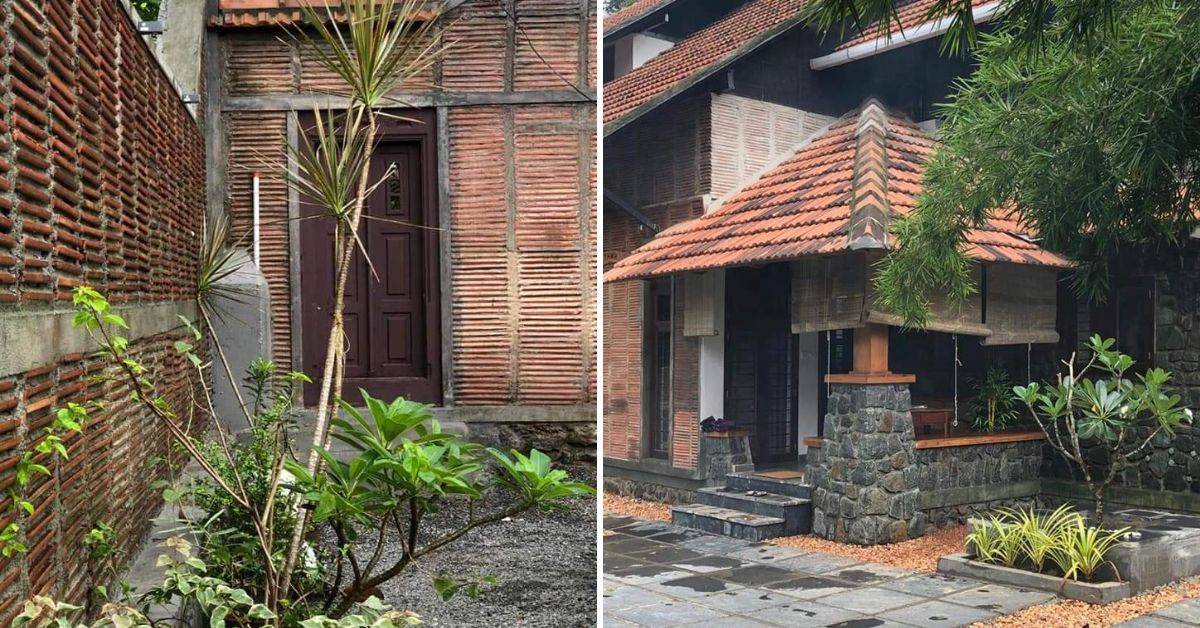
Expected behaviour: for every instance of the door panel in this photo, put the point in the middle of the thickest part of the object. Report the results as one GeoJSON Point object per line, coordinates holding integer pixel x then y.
{"type": "Point", "coordinates": [760, 361]}
{"type": "Point", "coordinates": [392, 310]}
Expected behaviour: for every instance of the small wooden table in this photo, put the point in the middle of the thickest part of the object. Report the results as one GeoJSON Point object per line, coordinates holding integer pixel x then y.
{"type": "Point", "coordinates": [929, 421]}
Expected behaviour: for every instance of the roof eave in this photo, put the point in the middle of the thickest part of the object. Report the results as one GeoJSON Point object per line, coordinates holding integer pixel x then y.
{"type": "Point", "coordinates": [752, 45]}
{"type": "Point", "coordinates": [622, 28]}
{"type": "Point", "coordinates": [893, 41]}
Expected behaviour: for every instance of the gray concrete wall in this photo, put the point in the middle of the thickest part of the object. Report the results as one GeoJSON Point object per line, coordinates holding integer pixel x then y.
{"type": "Point", "coordinates": [46, 334]}
{"type": "Point", "coordinates": [242, 326]}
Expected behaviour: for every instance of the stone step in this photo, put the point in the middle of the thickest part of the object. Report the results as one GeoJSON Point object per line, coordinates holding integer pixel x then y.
{"type": "Point", "coordinates": [796, 512]}
{"type": "Point", "coordinates": [727, 522]}
{"type": "Point", "coordinates": [748, 481]}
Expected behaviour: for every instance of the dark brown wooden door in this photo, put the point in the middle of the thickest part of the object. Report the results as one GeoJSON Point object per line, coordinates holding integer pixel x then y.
{"type": "Point", "coordinates": [760, 361]}
{"type": "Point", "coordinates": [391, 307]}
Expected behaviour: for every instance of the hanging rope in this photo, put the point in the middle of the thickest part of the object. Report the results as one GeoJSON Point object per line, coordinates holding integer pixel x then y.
{"type": "Point", "coordinates": [956, 365]}
{"type": "Point", "coordinates": [1028, 362]}
{"type": "Point", "coordinates": [828, 359]}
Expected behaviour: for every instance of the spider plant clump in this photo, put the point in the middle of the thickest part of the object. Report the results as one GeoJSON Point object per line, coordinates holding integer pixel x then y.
{"type": "Point", "coordinates": [1058, 542]}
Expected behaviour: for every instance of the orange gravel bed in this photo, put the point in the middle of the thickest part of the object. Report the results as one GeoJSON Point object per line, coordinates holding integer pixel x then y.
{"type": "Point", "coordinates": [632, 507]}
{"type": "Point", "coordinates": [919, 554]}
{"type": "Point", "coordinates": [1075, 614]}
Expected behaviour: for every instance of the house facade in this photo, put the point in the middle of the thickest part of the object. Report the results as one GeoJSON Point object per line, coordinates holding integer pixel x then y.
{"type": "Point", "coordinates": [752, 170]}
{"type": "Point", "coordinates": [483, 240]}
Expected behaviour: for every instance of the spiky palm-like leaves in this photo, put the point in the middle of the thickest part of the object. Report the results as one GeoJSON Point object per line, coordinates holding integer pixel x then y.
{"type": "Point", "coordinates": [374, 47]}
{"type": "Point", "coordinates": [378, 47]}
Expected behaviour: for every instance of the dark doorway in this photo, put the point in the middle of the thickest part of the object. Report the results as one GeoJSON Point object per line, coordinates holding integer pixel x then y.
{"type": "Point", "coordinates": [760, 361]}
{"type": "Point", "coordinates": [392, 308]}
{"type": "Point", "coordinates": [658, 316]}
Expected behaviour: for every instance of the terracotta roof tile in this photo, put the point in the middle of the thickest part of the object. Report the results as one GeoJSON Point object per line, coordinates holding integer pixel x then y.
{"type": "Point", "coordinates": [631, 12]}
{"type": "Point", "coordinates": [911, 15]}
{"type": "Point", "coordinates": [804, 206]}
{"type": "Point", "coordinates": [691, 59]}
{"type": "Point", "coordinates": [251, 14]}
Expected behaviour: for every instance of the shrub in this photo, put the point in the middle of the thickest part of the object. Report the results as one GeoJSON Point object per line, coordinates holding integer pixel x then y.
{"type": "Point", "coordinates": [1026, 538]}
{"type": "Point", "coordinates": [995, 407]}
{"type": "Point", "coordinates": [1083, 415]}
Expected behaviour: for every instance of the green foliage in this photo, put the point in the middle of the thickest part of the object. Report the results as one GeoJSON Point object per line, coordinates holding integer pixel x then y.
{"type": "Point", "coordinates": [1094, 145]}
{"type": "Point", "coordinates": [534, 477]}
{"type": "Point", "coordinates": [995, 408]}
{"type": "Point", "coordinates": [1081, 550]}
{"type": "Point", "coordinates": [385, 45]}
{"type": "Point", "coordinates": [1079, 413]}
{"type": "Point", "coordinates": [147, 9]}
{"type": "Point", "coordinates": [403, 468]}
{"type": "Point", "coordinates": [1041, 532]}
{"type": "Point", "coordinates": [371, 614]}
{"type": "Point", "coordinates": [1029, 539]}
{"type": "Point", "coordinates": [448, 586]}
{"type": "Point", "coordinates": [612, 6]}
{"type": "Point", "coordinates": [1084, 22]}
{"type": "Point", "coordinates": [997, 541]}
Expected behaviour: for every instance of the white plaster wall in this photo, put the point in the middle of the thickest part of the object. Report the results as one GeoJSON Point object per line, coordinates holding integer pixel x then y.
{"type": "Point", "coordinates": [712, 356]}
{"type": "Point", "coordinates": [632, 51]}
{"type": "Point", "coordinates": [808, 388]}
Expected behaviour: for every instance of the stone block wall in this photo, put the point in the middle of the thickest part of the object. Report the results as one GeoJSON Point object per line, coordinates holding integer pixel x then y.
{"type": "Point", "coordinates": [864, 475]}
{"type": "Point", "coordinates": [958, 482]}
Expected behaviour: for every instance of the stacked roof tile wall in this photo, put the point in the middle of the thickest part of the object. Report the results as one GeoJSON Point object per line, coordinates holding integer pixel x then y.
{"type": "Point", "coordinates": [623, 350]}
{"type": "Point", "coordinates": [101, 183]}
{"type": "Point", "coordinates": [520, 177]}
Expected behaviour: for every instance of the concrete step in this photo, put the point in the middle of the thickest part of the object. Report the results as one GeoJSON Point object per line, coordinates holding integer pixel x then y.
{"type": "Point", "coordinates": [747, 481]}
{"type": "Point", "coordinates": [796, 512]}
{"type": "Point", "coordinates": [727, 522]}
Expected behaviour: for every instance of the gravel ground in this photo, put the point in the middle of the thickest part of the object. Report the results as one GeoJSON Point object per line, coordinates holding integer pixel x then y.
{"type": "Point", "coordinates": [1076, 614]}
{"type": "Point", "coordinates": [640, 508]}
{"type": "Point", "coordinates": [544, 563]}
{"type": "Point", "coordinates": [920, 554]}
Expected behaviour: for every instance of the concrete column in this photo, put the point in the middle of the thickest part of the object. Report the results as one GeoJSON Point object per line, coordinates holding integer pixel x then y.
{"type": "Point", "coordinates": [242, 325]}
{"type": "Point", "coordinates": [865, 476]}
{"type": "Point", "coordinates": [712, 355]}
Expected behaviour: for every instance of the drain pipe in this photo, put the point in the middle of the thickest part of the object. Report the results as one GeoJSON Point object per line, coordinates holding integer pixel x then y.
{"type": "Point", "coordinates": [257, 238]}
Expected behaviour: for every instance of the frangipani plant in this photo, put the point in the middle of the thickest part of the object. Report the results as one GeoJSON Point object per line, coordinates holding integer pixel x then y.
{"type": "Point", "coordinates": [1099, 407]}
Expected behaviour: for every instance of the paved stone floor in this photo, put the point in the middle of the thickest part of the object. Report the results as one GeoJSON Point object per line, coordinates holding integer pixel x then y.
{"type": "Point", "coordinates": [656, 574]}
{"type": "Point", "coordinates": [1177, 615]}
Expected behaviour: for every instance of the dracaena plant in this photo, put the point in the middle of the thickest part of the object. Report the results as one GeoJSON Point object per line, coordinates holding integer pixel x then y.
{"type": "Point", "coordinates": [374, 50]}
{"type": "Point", "coordinates": [402, 468]}
{"type": "Point", "coordinates": [1100, 408]}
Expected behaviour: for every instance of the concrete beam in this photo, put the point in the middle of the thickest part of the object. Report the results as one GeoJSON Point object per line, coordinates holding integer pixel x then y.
{"type": "Point", "coordinates": [307, 102]}
{"type": "Point", "coordinates": [36, 338]}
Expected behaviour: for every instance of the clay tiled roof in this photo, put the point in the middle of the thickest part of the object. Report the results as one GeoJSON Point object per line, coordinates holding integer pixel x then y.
{"type": "Point", "coordinates": [632, 12]}
{"type": "Point", "coordinates": [696, 57]}
{"type": "Point", "coordinates": [267, 13]}
{"type": "Point", "coordinates": [911, 16]}
{"type": "Point", "coordinates": [835, 194]}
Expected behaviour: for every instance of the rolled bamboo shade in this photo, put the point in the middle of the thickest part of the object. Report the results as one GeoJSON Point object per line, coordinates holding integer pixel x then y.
{"type": "Point", "coordinates": [1021, 304]}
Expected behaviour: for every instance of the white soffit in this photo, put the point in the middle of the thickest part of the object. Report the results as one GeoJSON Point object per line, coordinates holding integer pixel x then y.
{"type": "Point", "coordinates": [899, 39]}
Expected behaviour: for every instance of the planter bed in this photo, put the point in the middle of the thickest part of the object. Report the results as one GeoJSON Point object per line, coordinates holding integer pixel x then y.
{"type": "Point", "coordinates": [1095, 593]}
{"type": "Point", "coordinates": [1167, 550]}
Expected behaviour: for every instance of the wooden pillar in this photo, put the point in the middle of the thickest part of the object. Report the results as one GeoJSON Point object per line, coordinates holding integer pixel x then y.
{"type": "Point", "coordinates": [870, 359]}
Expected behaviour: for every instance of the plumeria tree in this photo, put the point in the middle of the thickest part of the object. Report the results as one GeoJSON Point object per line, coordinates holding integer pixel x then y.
{"type": "Point", "coordinates": [1099, 418]}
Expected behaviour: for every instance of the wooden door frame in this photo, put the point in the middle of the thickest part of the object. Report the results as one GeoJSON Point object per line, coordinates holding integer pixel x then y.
{"type": "Point", "coordinates": [420, 125]}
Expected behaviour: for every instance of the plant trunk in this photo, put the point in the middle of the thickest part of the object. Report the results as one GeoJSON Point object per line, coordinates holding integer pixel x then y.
{"type": "Point", "coordinates": [1098, 515]}
{"type": "Point", "coordinates": [331, 381]}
